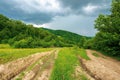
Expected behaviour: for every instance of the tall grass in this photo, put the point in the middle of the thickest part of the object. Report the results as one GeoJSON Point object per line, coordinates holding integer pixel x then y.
{"type": "Point", "coordinates": [95, 54]}
{"type": "Point", "coordinates": [7, 55]}
{"type": "Point", "coordinates": [4, 46]}
{"type": "Point", "coordinates": [64, 65]}
{"type": "Point", "coordinates": [82, 54]}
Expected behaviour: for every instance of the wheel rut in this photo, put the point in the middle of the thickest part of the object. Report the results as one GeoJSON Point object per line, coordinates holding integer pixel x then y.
{"type": "Point", "coordinates": [32, 63]}
{"type": "Point", "coordinates": [102, 67]}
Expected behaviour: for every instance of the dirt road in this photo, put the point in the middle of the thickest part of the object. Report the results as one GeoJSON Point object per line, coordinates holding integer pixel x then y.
{"type": "Point", "coordinates": [29, 68]}
{"type": "Point", "coordinates": [102, 67]}
{"type": "Point", "coordinates": [39, 67]}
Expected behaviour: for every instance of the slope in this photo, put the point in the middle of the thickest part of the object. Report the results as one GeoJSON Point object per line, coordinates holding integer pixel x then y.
{"type": "Point", "coordinates": [70, 37]}
{"type": "Point", "coordinates": [21, 35]}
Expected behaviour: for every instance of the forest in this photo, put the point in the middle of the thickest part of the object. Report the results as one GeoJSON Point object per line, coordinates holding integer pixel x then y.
{"type": "Point", "coordinates": [21, 35]}
{"type": "Point", "coordinates": [107, 38]}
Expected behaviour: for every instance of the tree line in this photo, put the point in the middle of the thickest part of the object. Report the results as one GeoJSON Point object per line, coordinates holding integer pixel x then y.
{"type": "Point", "coordinates": [20, 35]}
{"type": "Point", "coordinates": [107, 38]}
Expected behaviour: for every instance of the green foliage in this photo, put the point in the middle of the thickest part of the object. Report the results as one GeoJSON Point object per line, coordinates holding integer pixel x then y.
{"type": "Point", "coordinates": [95, 54]}
{"type": "Point", "coordinates": [82, 54]}
{"type": "Point", "coordinates": [4, 46]}
{"type": "Point", "coordinates": [83, 77]}
{"type": "Point", "coordinates": [69, 37]}
{"type": "Point", "coordinates": [66, 63]}
{"type": "Point", "coordinates": [20, 35]}
{"type": "Point", "coordinates": [108, 37]}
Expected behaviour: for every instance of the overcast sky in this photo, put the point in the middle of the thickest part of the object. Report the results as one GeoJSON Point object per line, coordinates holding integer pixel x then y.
{"type": "Point", "coordinates": [73, 15]}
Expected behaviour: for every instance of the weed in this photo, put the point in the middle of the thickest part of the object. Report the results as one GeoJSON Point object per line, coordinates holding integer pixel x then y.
{"type": "Point", "coordinates": [82, 54]}
{"type": "Point", "coordinates": [7, 55]}
{"type": "Point", "coordinates": [95, 54]}
{"type": "Point", "coordinates": [65, 64]}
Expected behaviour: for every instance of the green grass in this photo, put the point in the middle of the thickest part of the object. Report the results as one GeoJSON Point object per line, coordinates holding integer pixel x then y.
{"type": "Point", "coordinates": [4, 46]}
{"type": "Point", "coordinates": [114, 57]}
{"type": "Point", "coordinates": [95, 54]}
{"type": "Point", "coordinates": [7, 55]}
{"type": "Point", "coordinates": [83, 77]}
{"type": "Point", "coordinates": [65, 64]}
{"type": "Point", "coordinates": [82, 54]}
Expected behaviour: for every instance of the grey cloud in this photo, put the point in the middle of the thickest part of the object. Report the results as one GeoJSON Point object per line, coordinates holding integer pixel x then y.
{"type": "Point", "coordinates": [77, 5]}
{"type": "Point", "coordinates": [76, 23]}
{"type": "Point", "coordinates": [7, 8]}
{"type": "Point", "coordinates": [75, 20]}
{"type": "Point", "coordinates": [39, 18]}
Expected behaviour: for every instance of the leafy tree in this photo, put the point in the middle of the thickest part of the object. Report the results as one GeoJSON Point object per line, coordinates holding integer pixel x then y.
{"type": "Point", "coordinates": [20, 35]}
{"type": "Point", "coordinates": [82, 42]}
{"type": "Point", "coordinates": [20, 44]}
{"type": "Point", "coordinates": [3, 21]}
{"type": "Point", "coordinates": [108, 37]}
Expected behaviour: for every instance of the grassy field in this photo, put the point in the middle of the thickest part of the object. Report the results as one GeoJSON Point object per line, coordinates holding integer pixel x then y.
{"type": "Point", "coordinates": [4, 46]}
{"type": "Point", "coordinates": [65, 64]}
{"type": "Point", "coordinates": [7, 55]}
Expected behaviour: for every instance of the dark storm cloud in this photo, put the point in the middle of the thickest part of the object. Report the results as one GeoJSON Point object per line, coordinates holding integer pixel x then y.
{"type": "Point", "coordinates": [70, 15]}
{"type": "Point", "coordinates": [39, 18]}
{"type": "Point", "coordinates": [77, 5]}
{"type": "Point", "coordinates": [8, 9]}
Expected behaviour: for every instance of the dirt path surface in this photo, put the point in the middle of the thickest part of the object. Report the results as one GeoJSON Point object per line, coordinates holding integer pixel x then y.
{"type": "Point", "coordinates": [80, 73]}
{"type": "Point", "coordinates": [45, 71]}
{"type": "Point", "coordinates": [102, 67]}
{"type": "Point", "coordinates": [14, 68]}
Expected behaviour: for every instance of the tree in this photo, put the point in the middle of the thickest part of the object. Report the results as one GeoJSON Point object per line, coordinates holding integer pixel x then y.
{"type": "Point", "coordinates": [82, 42]}
{"type": "Point", "coordinates": [108, 37]}
{"type": "Point", "coordinates": [3, 21]}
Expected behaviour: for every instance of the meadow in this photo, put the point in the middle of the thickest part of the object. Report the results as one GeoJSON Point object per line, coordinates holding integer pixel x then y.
{"type": "Point", "coordinates": [65, 64]}
{"type": "Point", "coordinates": [9, 54]}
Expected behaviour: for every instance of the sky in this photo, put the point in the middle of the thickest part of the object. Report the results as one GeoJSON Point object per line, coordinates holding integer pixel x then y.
{"type": "Point", "coordinates": [77, 16]}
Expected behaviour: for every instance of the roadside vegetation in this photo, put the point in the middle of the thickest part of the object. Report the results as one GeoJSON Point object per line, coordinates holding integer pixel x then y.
{"type": "Point", "coordinates": [65, 65]}
{"type": "Point", "coordinates": [7, 55]}
{"type": "Point", "coordinates": [82, 53]}
{"type": "Point", "coordinates": [4, 46]}
{"type": "Point", "coordinates": [95, 54]}
{"type": "Point", "coordinates": [107, 39]}
{"type": "Point", "coordinates": [21, 35]}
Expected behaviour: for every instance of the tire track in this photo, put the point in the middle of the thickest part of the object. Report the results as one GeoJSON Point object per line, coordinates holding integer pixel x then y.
{"type": "Point", "coordinates": [11, 69]}
{"type": "Point", "coordinates": [41, 69]}
{"type": "Point", "coordinates": [101, 68]}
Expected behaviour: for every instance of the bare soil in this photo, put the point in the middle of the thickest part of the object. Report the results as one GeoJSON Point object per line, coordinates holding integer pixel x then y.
{"type": "Point", "coordinates": [102, 67]}
{"type": "Point", "coordinates": [80, 73]}
{"type": "Point", "coordinates": [12, 69]}
{"type": "Point", "coordinates": [45, 74]}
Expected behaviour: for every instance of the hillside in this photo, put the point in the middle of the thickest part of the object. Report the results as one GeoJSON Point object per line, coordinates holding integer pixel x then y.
{"type": "Point", "coordinates": [70, 37]}
{"type": "Point", "coordinates": [20, 35]}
